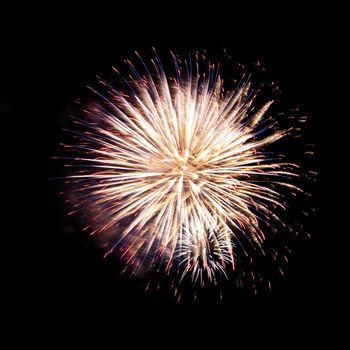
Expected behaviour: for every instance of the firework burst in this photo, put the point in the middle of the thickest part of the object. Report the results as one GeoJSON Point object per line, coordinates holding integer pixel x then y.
{"type": "Point", "coordinates": [174, 169]}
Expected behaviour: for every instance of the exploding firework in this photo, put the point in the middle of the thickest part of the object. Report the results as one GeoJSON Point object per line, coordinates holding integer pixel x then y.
{"type": "Point", "coordinates": [173, 170]}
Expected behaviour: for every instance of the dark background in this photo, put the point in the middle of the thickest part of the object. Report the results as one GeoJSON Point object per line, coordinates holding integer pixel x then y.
{"type": "Point", "coordinates": [46, 66]}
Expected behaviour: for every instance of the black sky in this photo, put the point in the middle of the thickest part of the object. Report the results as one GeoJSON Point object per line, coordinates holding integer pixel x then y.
{"type": "Point", "coordinates": [46, 67]}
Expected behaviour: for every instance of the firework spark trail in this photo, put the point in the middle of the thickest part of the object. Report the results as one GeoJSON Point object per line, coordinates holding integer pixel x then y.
{"type": "Point", "coordinates": [175, 168]}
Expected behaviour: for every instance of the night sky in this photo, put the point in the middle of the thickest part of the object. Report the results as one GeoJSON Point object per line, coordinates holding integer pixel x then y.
{"type": "Point", "coordinates": [47, 68]}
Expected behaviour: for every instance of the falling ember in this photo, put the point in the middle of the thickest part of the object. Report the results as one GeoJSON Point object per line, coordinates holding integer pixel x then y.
{"type": "Point", "coordinates": [174, 170]}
